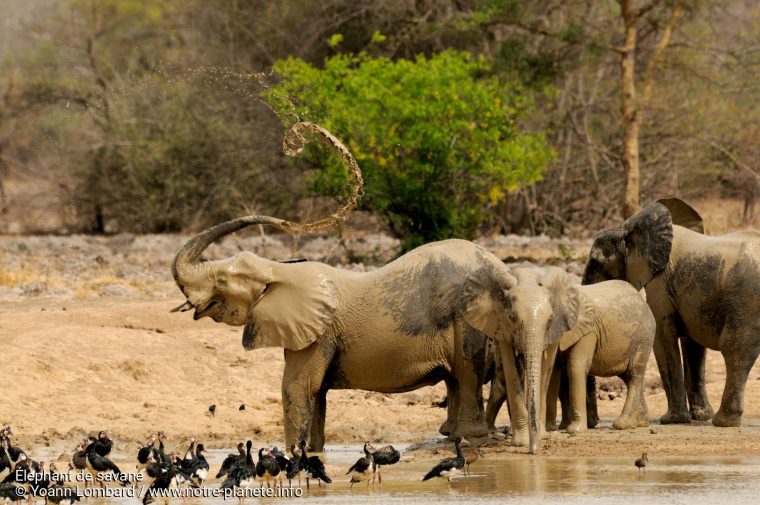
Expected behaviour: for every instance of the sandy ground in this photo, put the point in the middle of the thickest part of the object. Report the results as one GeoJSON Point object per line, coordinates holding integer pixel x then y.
{"type": "Point", "coordinates": [89, 344]}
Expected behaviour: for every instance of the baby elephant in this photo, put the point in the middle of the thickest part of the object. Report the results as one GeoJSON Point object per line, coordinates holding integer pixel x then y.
{"type": "Point", "coordinates": [612, 337]}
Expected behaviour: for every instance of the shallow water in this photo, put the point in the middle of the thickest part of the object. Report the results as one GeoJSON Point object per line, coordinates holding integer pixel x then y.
{"type": "Point", "coordinates": [523, 479]}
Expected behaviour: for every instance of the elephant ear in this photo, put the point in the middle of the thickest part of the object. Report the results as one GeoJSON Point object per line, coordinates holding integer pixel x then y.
{"type": "Point", "coordinates": [584, 324]}
{"type": "Point", "coordinates": [486, 304]}
{"type": "Point", "coordinates": [649, 236]}
{"type": "Point", "coordinates": [683, 214]}
{"type": "Point", "coordinates": [295, 309]}
{"type": "Point", "coordinates": [565, 300]}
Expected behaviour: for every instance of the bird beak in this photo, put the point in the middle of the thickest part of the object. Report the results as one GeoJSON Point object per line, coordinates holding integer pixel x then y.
{"type": "Point", "coordinates": [183, 308]}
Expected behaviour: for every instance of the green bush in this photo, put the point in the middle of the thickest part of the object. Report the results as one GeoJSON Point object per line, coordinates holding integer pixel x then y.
{"type": "Point", "coordinates": [437, 138]}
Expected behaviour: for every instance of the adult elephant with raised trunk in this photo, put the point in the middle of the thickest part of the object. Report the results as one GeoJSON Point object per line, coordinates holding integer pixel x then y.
{"type": "Point", "coordinates": [702, 290]}
{"type": "Point", "coordinates": [421, 319]}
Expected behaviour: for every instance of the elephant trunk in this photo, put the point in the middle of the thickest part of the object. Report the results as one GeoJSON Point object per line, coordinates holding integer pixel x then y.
{"type": "Point", "coordinates": [533, 391]}
{"type": "Point", "coordinates": [185, 265]}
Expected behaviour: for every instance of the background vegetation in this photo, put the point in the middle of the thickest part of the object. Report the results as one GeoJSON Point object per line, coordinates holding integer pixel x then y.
{"type": "Point", "coordinates": [466, 116]}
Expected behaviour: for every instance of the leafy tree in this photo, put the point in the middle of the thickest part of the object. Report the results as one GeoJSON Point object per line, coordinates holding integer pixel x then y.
{"type": "Point", "coordinates": [437, 138]}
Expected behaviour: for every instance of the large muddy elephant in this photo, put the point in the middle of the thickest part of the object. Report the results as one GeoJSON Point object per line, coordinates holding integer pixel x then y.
{"type": "Point", "coordinates": [703, 290]}
{"type": "Point", "coordinates": [420, 319]}
{"type": "Point", "coordinates": [605, 329]}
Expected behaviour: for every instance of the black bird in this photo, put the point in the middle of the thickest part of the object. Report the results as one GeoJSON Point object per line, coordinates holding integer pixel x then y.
{"type": "Point", "coordinates": [286, 465]}
{"type": "Point", "coordinates": [62, 495]}
{"type": "Point", "coordinates": [166, 476]}
{"type": "Point", "coordinates": [449, 467]}
{"type": "Point", "coordinates": [24, 467]}
{"type": "Point", "coordinates": [5, 459]}
{"type": "Point", "coordinates": [242, 406]}
{"type": "Point", "coordinates": [384, 456]}
{"type": "Point", "coordinates": [190, 452]}
{"type": "Point", "coordinates": [364, 468]}
{"type": "Point", "coordinates": [267, 467]}
{"type": "Point", "coordinates": [197, 466]}
{"type": "Point", "coordinates": [12, 492]}
{"type": "Point", "coordinates": [98, 464]}
{"type": "Point", "coordinates": [242, 475]}
{"type": "Point", "coordinates": [104, 443]}
{"type": "Point", "coordinates": [313, 467]}
{"type": "Point", "coordinates": [295, 464]}
{"type": "Point", "coordinates": [9, 455]}
{"type": "Point", "coordinates": [212, 409]}
{"type": "Point", "coordinates": [144, 453]}
{"type": "Point", "coordinates": [232, 460]}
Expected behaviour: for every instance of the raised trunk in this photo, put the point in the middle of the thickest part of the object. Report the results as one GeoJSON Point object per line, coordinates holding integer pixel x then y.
{"type": "Point", "coordinates": [184, 263]}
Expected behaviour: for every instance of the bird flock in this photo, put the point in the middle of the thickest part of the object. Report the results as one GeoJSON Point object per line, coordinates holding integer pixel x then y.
{"type": "Point", "coordinates": [28, 479]}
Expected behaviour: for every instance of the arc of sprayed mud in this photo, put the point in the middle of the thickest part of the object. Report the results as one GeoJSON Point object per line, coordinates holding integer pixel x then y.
{"type": "Point", "coordinates": [293, 143]}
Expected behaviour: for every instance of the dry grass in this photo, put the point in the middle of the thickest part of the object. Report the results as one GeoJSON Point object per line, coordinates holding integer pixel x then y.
{"type": "Point", "coordinates": [12, 277]}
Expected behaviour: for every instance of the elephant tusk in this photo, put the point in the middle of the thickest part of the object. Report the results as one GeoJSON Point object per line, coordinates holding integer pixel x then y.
{"type": "Point", "coordinates": [183, 308]}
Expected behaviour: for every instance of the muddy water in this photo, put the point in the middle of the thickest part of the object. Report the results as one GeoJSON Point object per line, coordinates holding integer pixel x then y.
{"type": "Point", "coordinates": [523, 479]}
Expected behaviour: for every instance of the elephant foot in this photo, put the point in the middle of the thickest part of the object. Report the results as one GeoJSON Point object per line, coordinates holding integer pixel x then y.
{"type": "Point", "coordinates": [671, 417]}
{"type": "Point", "coordinates": [519, 437]}
{"type": "Point", "coordinates": [470, 430]}
{"type": "Point", "coordinates": [630, 421]}
{"type": "Point", "coordinates": [445, 428]}
{"type": "Point", "coordinates": [701, 412]}
{"type": "Point", "coordinates": [551, 426]}
{"type": "Point", "coordinates": [592, 420]}
{"type": "Point", "coordinates": [563, 424]}
{"type": "Point", "coordinates": [576, 427]}
{"type": "Point", "coordinates": [726, 420]}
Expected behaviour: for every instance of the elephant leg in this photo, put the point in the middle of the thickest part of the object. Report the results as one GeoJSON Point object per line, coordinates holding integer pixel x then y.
{"type": "Point", "coordinates": [552, 394]}
{"type": "Point", "coordinates": [694, 356]}
{"type": "Point", "coordinates": [452, 407]}
{"type": "Point", "coordinates": [592, 414]}
{"type": "Point", "coordinates": [496, 398]}
{"type": "Point", "coordinates": [469, 371]}
{"type": "Point", "coordinates": [668, 357]}
{"type": "Point", "coordinates": [515, 396]}
{"type": "Point", "coordinates": [547, 371]}
{"type": "Point", "coordinates": [301, 382]}
{"type": "Point", "coordinates": [578, 365]}
{"type": "Point", "coordinates": [317, 437]}
{"type": "Point", "coordinates": [564, 398]}
{"type": "Point", "coordinates": [634, 413]}
{"type": "Point", "coordinates": [739, 360]}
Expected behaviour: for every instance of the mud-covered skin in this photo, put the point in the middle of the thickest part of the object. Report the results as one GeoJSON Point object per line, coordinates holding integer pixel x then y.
{"type": "Point", "coordinates": [423, 318]}
{"type": "Point", "coordinates": [617, 330]}
{"type": "Point", "coordinates": [542, 305]}
{"type": "Point", "coordinates": [706, 292]}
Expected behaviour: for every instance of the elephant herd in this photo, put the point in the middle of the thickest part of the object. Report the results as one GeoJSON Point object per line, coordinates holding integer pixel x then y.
{"type": "Point", "coordinates": [432, 315]}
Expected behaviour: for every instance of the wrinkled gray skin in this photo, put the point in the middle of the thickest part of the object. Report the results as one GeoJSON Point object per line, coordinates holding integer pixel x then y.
{"type": "Point", "coordinates": [542, 305]}
{"type": "Point", "coordinates": [421, 319]}
{"type": "Point", "coordinates": [703, 290]}
{"type": "Point", "coordinates": [613, 336]}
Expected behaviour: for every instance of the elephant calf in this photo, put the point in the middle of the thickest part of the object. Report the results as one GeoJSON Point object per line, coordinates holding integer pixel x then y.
{"type": "Point", "coordinates": [613, 336]}
{"type": "Point", "coordinates": [606, 329]}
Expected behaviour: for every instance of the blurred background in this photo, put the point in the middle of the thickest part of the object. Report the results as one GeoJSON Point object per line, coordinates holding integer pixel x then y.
{"type": "Point", "coordinates": [468, 117]}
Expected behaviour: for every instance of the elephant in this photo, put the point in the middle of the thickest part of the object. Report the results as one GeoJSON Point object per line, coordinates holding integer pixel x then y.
{"type": "Point", "coordinates": [612, 337]}
{"type": "Point", "coordinates": [423, 318]}
{"type": "Point", "coordinates": [542, 304]}
{"type": "Point", "coordinates": [606, 329]}
{"type": "Point", "coordinates": [702, 290]}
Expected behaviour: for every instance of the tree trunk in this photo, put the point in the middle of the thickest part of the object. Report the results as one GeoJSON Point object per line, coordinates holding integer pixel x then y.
{"type": "Point", "coordinates": [631, 118]}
